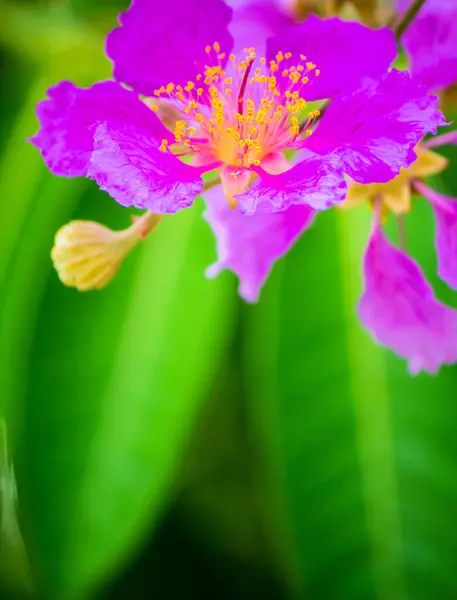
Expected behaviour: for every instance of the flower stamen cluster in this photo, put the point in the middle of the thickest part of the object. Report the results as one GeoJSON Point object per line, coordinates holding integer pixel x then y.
{"type": "Point", "coordinates": [239, 114]}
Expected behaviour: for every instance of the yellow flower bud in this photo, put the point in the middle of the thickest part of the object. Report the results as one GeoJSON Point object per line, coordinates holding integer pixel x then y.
{"type": "Point", "coordinates": [87, 255]}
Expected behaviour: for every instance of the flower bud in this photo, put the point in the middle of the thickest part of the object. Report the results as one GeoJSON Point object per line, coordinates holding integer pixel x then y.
{"type": "Point", "coordinates": [87, 255]}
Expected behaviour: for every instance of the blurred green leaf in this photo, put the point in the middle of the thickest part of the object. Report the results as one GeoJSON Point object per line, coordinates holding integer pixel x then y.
{"type": "Point", "coordinates": [116, 381]}
{"type": "Point", "coordinates": [359, 453]}
{"type": "Point", "coordinates": [14, 567]}
{"type": "Point", "coordinates": [55, 40]}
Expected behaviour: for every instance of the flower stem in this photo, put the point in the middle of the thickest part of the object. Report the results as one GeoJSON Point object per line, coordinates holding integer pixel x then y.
{"type": "Point", "coordinates": [407, 18]}
{"type": "Point", "coordinates": [402, 239]}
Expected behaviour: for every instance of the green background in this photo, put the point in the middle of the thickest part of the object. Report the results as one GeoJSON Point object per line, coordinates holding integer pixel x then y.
{"type": "Point", "coordinates": [166, 440]}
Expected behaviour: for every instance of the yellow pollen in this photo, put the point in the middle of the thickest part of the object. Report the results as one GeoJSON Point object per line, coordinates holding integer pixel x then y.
{"type": "Point", "coordinates": [237, 119]}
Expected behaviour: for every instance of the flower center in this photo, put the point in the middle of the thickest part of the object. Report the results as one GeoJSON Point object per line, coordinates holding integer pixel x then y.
{"type": "Point", "coordinates": [243, 112]}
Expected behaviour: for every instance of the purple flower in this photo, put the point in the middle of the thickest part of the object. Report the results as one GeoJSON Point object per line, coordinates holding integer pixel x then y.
{"type": "Point", "coordinates": [431, 43]}
{"type": "Point", "coordinates": [236, 112]}
{"type": "Point", "coordinates": [398, 306]}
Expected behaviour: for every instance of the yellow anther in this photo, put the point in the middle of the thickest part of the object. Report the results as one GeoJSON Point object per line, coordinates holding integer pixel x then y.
{"type": "Point", "coordinates": [302, 57]}
{"type": "Point", "coordinates": [285, 73]}
{"type": "Point", "coordinates": [288, 55]}
{"type": "Point", "coordinates": [221, 56]}
{"type": "Point", "coordinates": [156, 93]}
{"type": "Point", "coordinates": [279, 56]}
{"type": "Point", "coordinates": [263, 60]}
{"type": "Point", "coordinates": [170, 87]}
{"type": "Point", "coordinates": [309, 132]}
{"type": "Point", "coordinates": [317, 72]}
{"type": "Point", "coordinates": [256, 162]}
{"type": "Point", "coordinates": [310, 66]}
{"type": "Point", "coordinates": [199, 91]}
{"type": "Point", "coordinates": [232, 57]}
{"type": "Point", "coordinates": [300, 68]}
{"type": "Point", "coordinates": [228, 91]}
{"type": "Point", "coordinates": [217, 46]}
{"type": "Point", "coordinates": [305, 80]}
{"type": "Point", "coordinates": [208, 49]}
{"type": "Point", "coordinates": [199, 76]}
{"type": "Point", "coordinates": [317, 113]}
{"type": "Point", "coordinates": [154, 108]}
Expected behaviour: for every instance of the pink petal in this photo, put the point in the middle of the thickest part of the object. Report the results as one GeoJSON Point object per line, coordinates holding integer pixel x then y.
{"type": "Point", "coordinates": [376, 129]}
{"type": "Point", "coordinates": [317, 182]}
{"type": "Point", "coordinates": [128, 165]}
{"type": "Point", "coordinates": [430, 43]}
{"type": "Point", "coordinates": [344, 52]}
{"type": "Point", "coordinates": [400, 310]}
{"type": "Point", "coordinates": [445, 209]}
{"type": "Point", "coordinates": [161, 43]}
{"type": "Point", "coordinates": [250, 245]}
{"type": "Point", "coordinates": [70, 115]}
{"type": "Point", "coordinates": [256, 20]}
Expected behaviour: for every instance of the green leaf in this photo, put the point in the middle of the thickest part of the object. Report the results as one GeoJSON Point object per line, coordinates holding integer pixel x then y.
{"type": "Point", "coordinates": [116, 381]}
{"type": "Point", "coordinates": [358, 453]}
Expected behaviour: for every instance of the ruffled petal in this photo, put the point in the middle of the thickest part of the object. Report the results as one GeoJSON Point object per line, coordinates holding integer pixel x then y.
{"type": "Point", "coordinates": [158, 44]}
{"type": "Point", "coordinates": [250, 245]}
{"type": "Point", "coordinates": [128, 165]}
{"type": "Point", "coordinates": [70, 115]}
{"type": "Point", "coordinates": [445, 209]}
{"type": "Point", "coordinates": [375, 130]}
{"type": "Point", "coordinates": [344, 52]}
{"type": "Point", "coordinates": [317, 182]}
{"type": "Point", "coordinates": [431, 44]}
{"type": "Point", "coordinates": [400, 310]}
{"type": "Point", "coordinates": [256, 20]}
